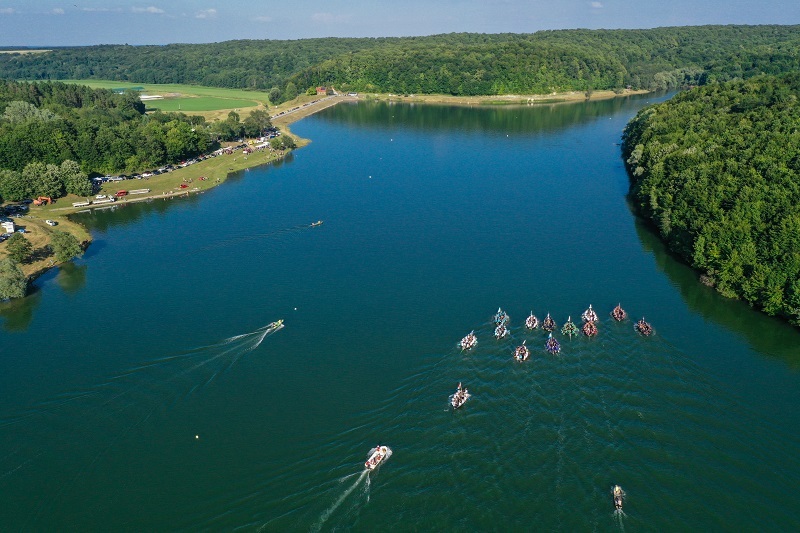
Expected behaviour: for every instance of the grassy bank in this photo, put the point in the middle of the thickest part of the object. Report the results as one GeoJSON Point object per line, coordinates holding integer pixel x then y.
{"type": "Point", "coordinates": [39, 234]}
{"type": "Point", "coordinates": [198, 177]}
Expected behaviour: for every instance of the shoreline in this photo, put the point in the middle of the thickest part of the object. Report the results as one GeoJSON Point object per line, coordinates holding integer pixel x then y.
{"type": "Point", "coordinates": [506, 99]}
{"type": "Point", "coordinates": [212, 172]}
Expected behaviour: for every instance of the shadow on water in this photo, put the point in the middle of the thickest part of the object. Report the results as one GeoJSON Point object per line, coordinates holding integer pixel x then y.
{"type": "Point", "coordinates": [124, 214]}
{"type": "Point", "coordinates": [532, 119]}
{"type": "Point", "coordinates": [767, 335]}
{"type": "Point", "coordinates": [71, 277]}
{"type": "Point", "coordinates": [18, 314]}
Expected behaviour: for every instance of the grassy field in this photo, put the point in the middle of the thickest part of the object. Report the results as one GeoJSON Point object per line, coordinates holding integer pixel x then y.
{"type": "Point", "coordinates": [38, 234]}
{"type": "Point", "coordinates": [199, 104]}
{"type": "Point", "coordinates": [213, 103]}
{"type": "Point", "coordinates": [178, 89]}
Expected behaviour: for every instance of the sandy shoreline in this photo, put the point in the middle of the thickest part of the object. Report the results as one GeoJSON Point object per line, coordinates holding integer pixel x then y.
{"type": "Point", "coordinates": [506, 99]}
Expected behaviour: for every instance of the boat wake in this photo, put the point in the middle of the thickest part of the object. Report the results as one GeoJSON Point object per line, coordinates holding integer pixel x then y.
{"type": "Point", "coordinates": [618, 515]}
{"type": "Point", "coordinates": [110, 411]}
{"type": "Point", "coordinates": [217, 357]}
{"type": "Point", "coordinates": [361, 480]}
{"type": "Point", "coordinates": [240, 239]}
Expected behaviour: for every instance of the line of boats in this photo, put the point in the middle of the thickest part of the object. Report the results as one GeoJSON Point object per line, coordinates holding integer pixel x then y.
{"type": "Point", "coordinates": [588, 328]}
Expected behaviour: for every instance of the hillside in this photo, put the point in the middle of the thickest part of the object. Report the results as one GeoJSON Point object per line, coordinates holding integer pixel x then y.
{"type": "Point", "coordinates": [458, 64]}
{"type": "Point", "coordinates": [717, 170]}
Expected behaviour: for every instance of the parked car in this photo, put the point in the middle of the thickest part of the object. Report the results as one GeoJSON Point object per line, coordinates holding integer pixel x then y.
{"type": "Point", "coordinates": [50, 222]}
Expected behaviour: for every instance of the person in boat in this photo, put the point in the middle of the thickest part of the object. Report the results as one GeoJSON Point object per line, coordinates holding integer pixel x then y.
{"type": "Point", "coordinates": [618, 494]}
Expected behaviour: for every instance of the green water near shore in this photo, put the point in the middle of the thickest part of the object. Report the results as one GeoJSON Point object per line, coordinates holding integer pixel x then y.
{"type": "Point", "coordinates": [140, 390]}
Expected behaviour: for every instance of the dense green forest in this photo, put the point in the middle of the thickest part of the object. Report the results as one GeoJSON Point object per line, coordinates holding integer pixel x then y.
{"type": "Point", "coordinates": [459, 64]}
{"type": "Point", "coordinates": [717, 170]}
{"type": "Point", "coordinates": [45, 124]}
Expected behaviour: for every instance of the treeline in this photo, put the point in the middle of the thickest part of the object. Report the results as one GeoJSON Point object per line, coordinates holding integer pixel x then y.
{"type": "Point", "coordinates": [459, 64]}
{"type": "Point", "coordinates": [717, 170]}
{"type": "Point", "coordinates": [42, 125]}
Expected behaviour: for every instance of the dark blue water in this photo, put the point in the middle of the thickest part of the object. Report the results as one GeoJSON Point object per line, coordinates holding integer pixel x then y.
{"type": "Point", "coordinates": [139, 389]}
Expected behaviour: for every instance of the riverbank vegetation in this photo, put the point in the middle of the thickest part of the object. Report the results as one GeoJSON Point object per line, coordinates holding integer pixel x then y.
{"type": "Point", "coordinates": [105, 132]}
{"type": "Point", "coordinates": [54, 136]}
{"type": "Point", "coordinates": [457, 64]}
{"type": "Point", "coordinates": [717, 171]}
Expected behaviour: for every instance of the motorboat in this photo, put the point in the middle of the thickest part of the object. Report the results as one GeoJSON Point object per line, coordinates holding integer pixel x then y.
{"type": "Point", "coordinates": [521, 353]}
{"type": "Point", "coordinates": [619, 314]}
{"type": "Point", "coordinates": [377, 455]}
{"type": "Point", "coordinates": [589, 329]}
{"type": "Point", "coordinates": [552, 345]}
{"type": "Point", "coordinates": [460, 397]}
{"type": "Point", "coordinates": [589, 315]}
{"type": "Point", "coordinates": [469, 342]}
{"type": "Point", "coordinates": [569, 328]}
{"type": "Point", "coordinates": [548, 324]}
{"type": "Point", "coordinates": [317, 223]}
{"type": "Point", "coordinates": [532, 322]}
{"type": "Point", "coordinates": [277, 324]}
{"type": "Point", "coordinates": [500, 317]}
{"type": "Point", "coordinates": [644, 328]}
{"type": "Point", "coordinates": [500, 331]}
{"type": "Point", "coordinates": [618, 495]}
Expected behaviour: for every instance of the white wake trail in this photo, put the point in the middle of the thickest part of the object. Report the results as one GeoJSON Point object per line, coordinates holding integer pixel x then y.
{"type": "Point", "coordinates": [330, 510]}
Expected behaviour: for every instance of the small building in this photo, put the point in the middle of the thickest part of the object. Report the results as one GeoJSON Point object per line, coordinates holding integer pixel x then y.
{"type": "Point", "coordinates": [322, 91]}
{"type": "Point", "coordinates": [8, 226]}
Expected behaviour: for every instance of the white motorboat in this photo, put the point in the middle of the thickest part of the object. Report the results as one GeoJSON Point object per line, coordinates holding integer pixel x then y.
{"type": "Point", "coordinates": [377, 455]}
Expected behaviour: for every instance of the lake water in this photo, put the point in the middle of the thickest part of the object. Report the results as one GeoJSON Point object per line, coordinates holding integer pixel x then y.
{"type": "Point", "coordinates": [140, 391]}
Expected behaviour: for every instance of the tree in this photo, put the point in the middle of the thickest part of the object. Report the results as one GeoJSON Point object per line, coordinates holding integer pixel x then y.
{"type": "Point", "coordinates": [65, 246]}
{"type": "Point", "coordinates": [75, 181]}
{"type": "Point", "coordinates": [18, 247]}
{"type": "Point", "coordinates": [44, 180]}
{"type": "Point", "coordinates": [290, 92]}
{"type": "Point", "coordinates": [12, 187]}
{"type": "Point", "coordinates": [275, 95]}
{"type": "Point", "coordinates": [13, 283]}
{"type": "Point", "coordinates": [23, 111]}
{"type": "Point", "coordinates": [179, 140]}
{"type": "Point", "coordinates": [234, 124]}
{"type": "Point", "coordinates": [288, 141]}
{"type": "Point", "coordinates": [282, 143]}
{"type": "Point", "coordinates": [257, 122]}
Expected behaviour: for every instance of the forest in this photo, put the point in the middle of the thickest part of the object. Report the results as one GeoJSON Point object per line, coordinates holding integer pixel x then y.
{"type": "Point", "coordinates": [717, 171]}
{"type": "Point", "coordinates": [457, 64]}
{"type": "Point", "coordinates": [53, 135]}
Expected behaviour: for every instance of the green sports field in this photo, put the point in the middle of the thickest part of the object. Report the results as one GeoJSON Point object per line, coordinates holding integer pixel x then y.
{"type": "Point", "coordinates": [205, 98]}
{"type": "Point", "coordinates": [198, 104]}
